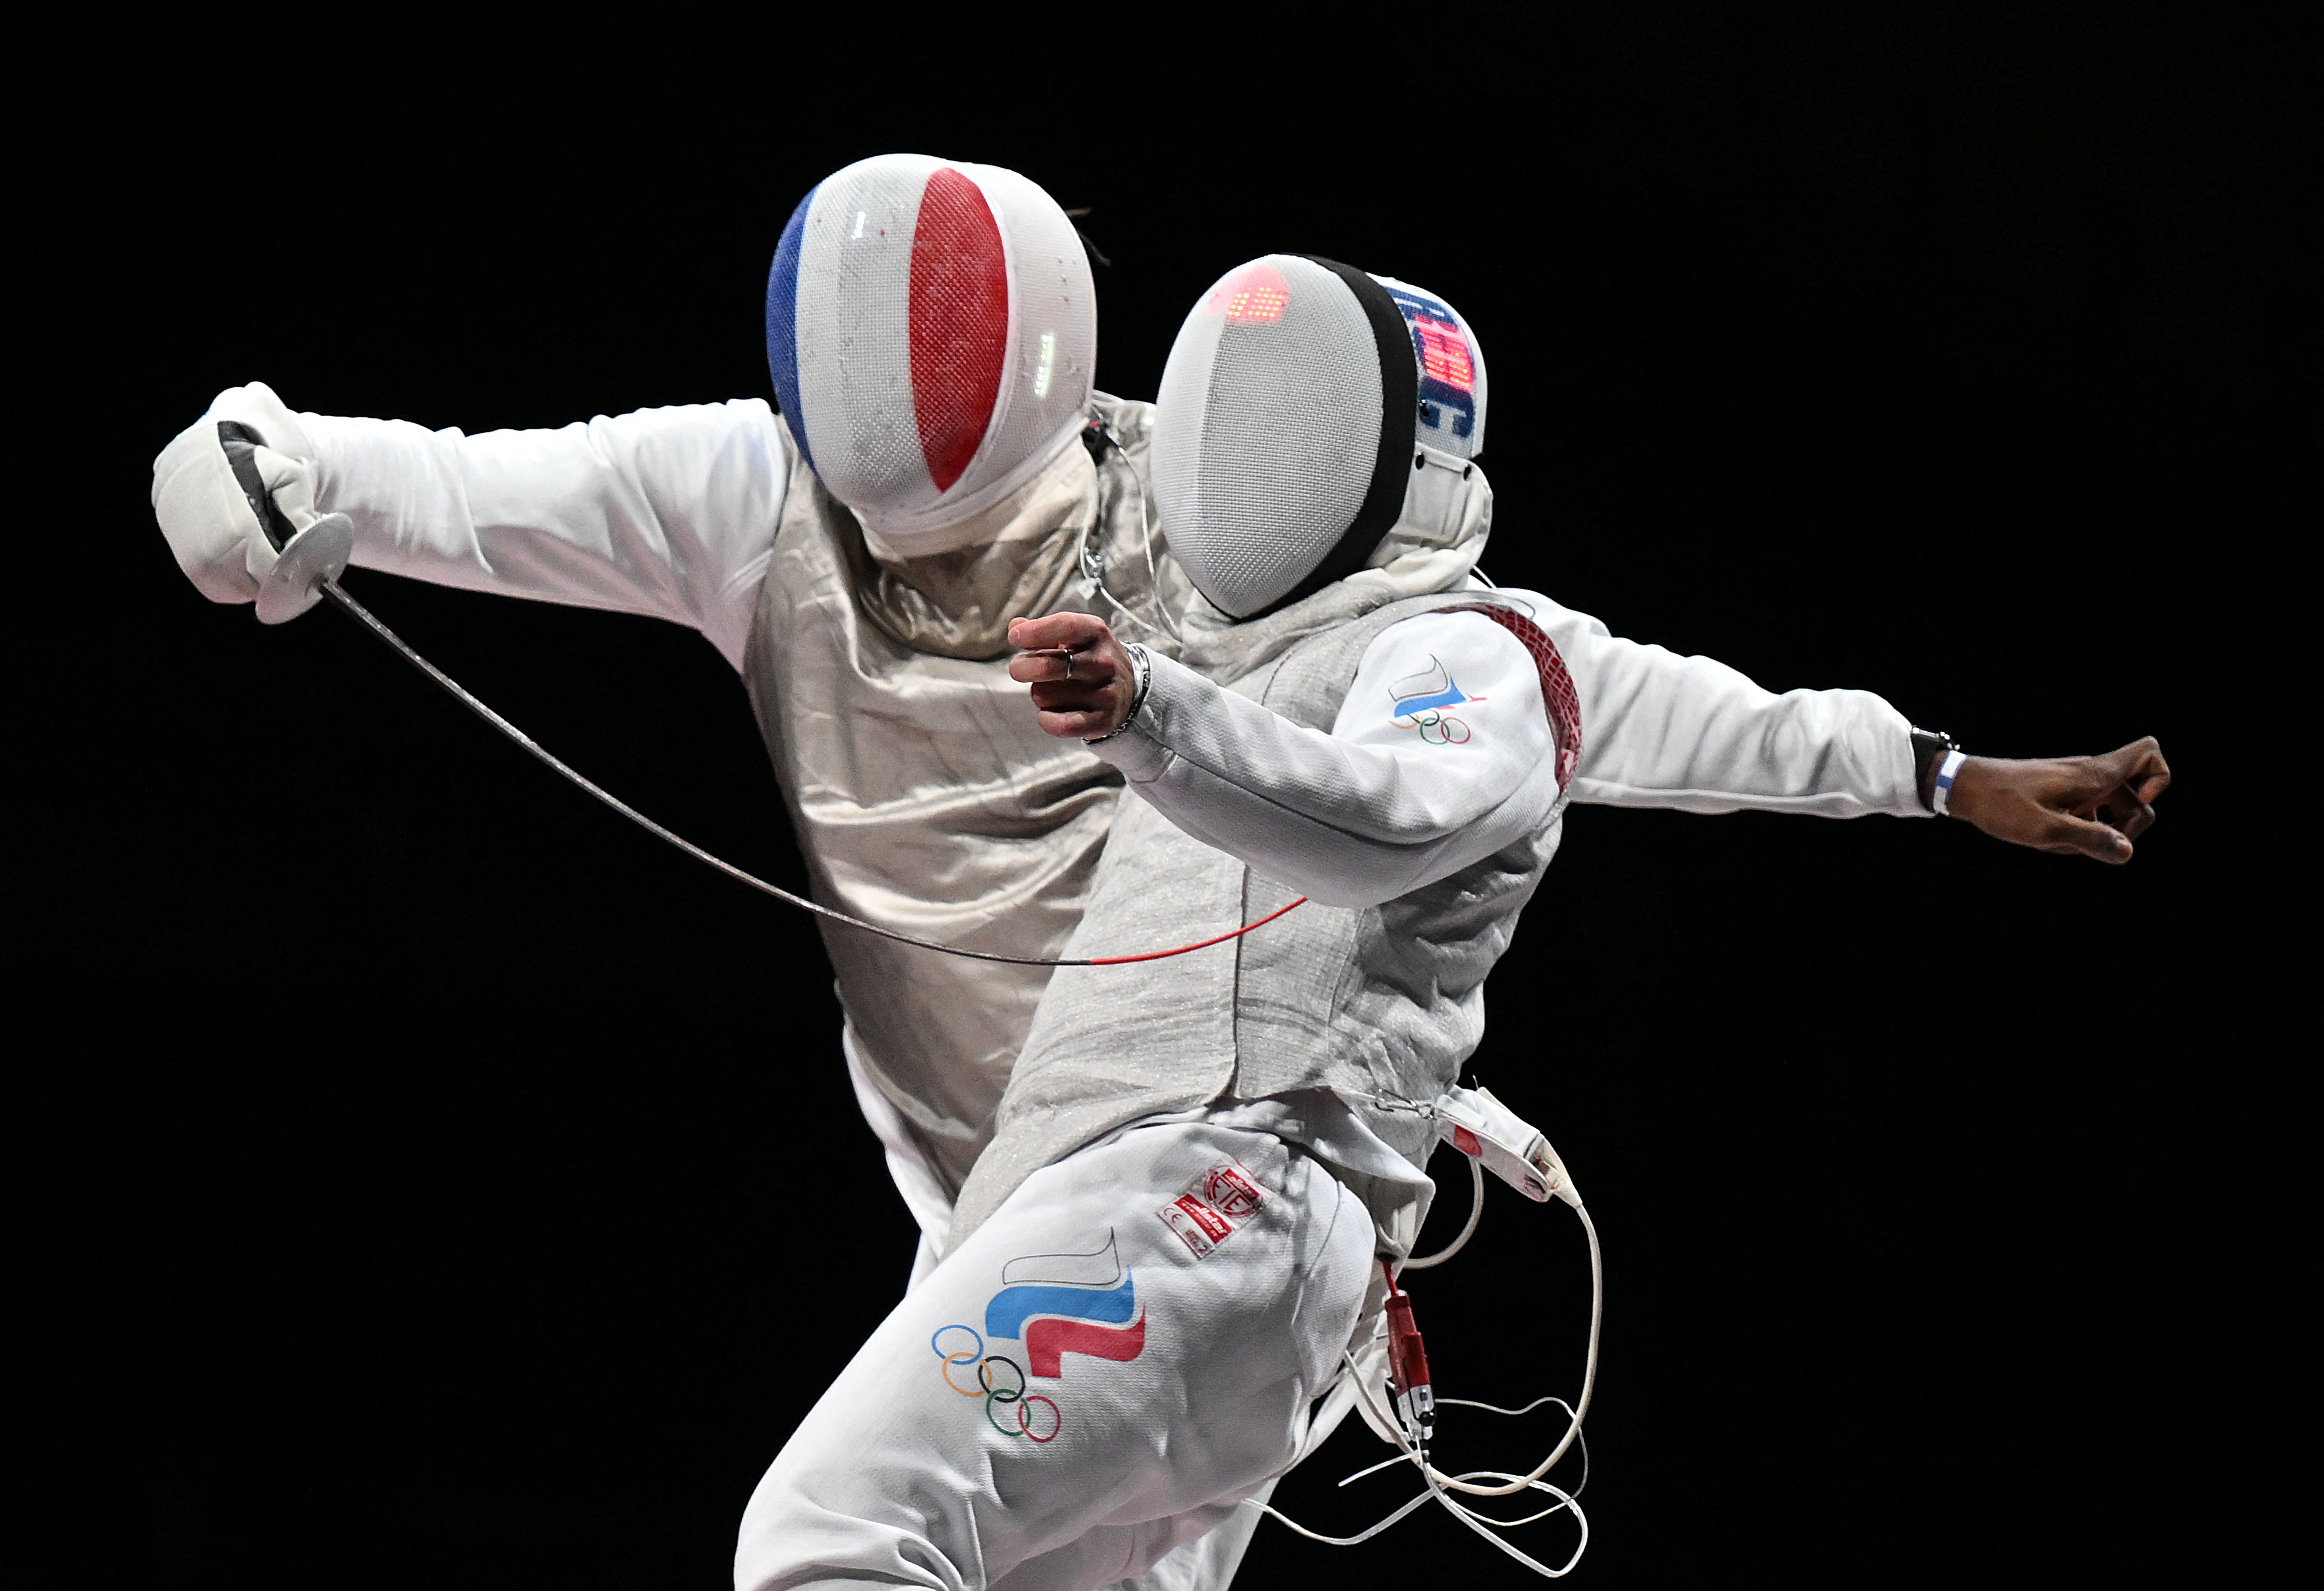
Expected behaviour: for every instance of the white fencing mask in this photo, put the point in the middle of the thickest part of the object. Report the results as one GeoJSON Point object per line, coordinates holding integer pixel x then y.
{"type": "Point", "coordinates": [1308, 410]}
{"type": "Point", "coordinates": [932, 331]}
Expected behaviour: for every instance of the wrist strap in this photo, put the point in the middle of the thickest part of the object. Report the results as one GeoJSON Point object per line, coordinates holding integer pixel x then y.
{"type": "Point", "coordinates": [1928, 745]}
{"type": "Point", "coordinates": [1145, 667]}
{"type": "Point", "coordinates": [1941, 796]}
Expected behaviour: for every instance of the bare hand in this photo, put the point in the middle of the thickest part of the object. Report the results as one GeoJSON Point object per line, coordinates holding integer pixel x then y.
{"type": "Point", "coordinates": [2093, 807]}
{"type": "Point", "coordinates": [1082, 681]}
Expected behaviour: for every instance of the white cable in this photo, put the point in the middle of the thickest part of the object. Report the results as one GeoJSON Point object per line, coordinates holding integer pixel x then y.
{"type": "Point", "coordinates": [1490, 1409]}
{"type": "Point", "coordinates": [1510, 1524]}
{"type": "Point", "coordinates": [1438, 1482]}
{"type": "Point", "coordinates": [475, 705]}
{"type": "Point", "coordinates": [1589, 1378]}
{"type": "Point", "coordinates": [1497, 1409]}
{"type": "Point", "coordinates": [1355, 1540]}
{"type": "Point", "coordinates": [1468, 1517]}
{"type": "Point", "coordinates": [1582, 1436]}
{"type": "Point", "coordinates": [1479, 1523]}
{"type": "Point", "coordinates": [1146, 525]}
{"type": "Point", "coordinates": [1406, 1454]}
{"type": "Point", "coordinates": [1123, 608]}
{"type": "Point", "coordinates": [1374, 1469]}
{"type": "Point", "coordinates": [1563, 1506]}
{"type": "Point", "coordinates": [1093, 566]}
{"type": "Point", "coordinates": [1476, 1213]}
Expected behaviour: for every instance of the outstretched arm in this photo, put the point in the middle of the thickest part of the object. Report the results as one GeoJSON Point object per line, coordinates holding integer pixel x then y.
{"type": "Point", "coordinates": [1664, 730]}
{"type": "Point", "coordinates": [1658, 730]}
{"type": "Point", "coordinates": [669, 512]}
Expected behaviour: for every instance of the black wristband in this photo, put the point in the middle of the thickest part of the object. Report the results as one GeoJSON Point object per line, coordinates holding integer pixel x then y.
{"type": "Point", "coordinates": [1928, 745]}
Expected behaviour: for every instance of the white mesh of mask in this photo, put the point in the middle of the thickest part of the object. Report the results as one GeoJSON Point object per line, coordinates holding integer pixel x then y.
{"type": "Point", "coordinates": [854, 342]}
{"type": "Point", "coordinates": [854, 320]}
{"type": "Point", "coordinates": [1267, 430]}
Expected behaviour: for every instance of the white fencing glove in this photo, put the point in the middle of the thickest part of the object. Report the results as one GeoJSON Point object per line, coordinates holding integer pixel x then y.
{"type": "Point", "coordinates": [205, 512]}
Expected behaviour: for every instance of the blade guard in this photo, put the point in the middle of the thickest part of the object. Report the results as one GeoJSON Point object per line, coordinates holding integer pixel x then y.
{"type": "Point", "coordinates": [317, 554]}
{"type": "Point", "coordinates": [1512, 1148]}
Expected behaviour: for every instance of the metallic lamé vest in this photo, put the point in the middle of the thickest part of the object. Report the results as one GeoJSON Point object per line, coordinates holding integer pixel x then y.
{"type": "Point", "coordinates": [1362, 1001]}
{"type": "Point", "coordinates": [924, 795]}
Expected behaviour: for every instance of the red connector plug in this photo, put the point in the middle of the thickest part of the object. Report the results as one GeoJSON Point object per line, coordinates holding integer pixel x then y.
{"type": "Point", "coordinates": [1415, 1399]}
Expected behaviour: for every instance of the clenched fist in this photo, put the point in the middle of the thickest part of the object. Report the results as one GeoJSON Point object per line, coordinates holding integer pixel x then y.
{"type": "Point", "coordinates": [2092, 807]}
{"type": "Point", "coordinates": [1084, 682]}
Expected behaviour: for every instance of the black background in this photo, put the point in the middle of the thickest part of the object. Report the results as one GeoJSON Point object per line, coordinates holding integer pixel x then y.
{"type": "Point", "coordinates": [420, 1177]}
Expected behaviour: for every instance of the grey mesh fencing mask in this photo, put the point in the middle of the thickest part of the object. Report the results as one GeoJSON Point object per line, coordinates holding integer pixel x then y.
{"type": "Point", "coordinates": [1308, 410]}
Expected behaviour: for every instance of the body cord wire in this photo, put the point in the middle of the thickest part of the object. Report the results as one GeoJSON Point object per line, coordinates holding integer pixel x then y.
{"type": "Point", "coordinates": [468, 699]}
{"type": "Point", "coordinates": [1476, 1213]}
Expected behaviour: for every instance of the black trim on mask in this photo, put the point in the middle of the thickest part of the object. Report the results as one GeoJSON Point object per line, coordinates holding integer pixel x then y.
{"type": "Point", "coordinates": [1383, 502]}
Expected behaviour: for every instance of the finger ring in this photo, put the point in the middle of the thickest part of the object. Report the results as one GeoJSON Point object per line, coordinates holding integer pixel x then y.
{"type": "Point", "coordinates": [1069, 663]}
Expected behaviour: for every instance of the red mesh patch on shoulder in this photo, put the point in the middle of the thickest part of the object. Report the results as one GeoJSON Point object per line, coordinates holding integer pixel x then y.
{"type": "Point", "coordinates": [1558, 697]}
{"type": "Point", "coordinates": [959, 322]}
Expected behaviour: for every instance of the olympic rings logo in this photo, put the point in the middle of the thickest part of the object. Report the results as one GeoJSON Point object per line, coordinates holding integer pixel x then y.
{"type": "Point", "coordinates": [1438, 730]}
{"type": "Point", "coordinates": [994, 1390]}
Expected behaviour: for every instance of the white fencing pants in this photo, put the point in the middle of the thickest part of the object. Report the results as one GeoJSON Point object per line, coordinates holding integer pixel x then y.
{"type": "Point", "coordinates": [1108, 1367]}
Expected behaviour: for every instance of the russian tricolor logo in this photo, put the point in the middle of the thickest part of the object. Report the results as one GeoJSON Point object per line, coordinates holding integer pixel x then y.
{"type": "Point", "coordinates": [1054, 1312]}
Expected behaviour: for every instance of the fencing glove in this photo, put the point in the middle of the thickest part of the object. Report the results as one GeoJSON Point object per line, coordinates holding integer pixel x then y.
{"type": "Point", "coordinates": [206, 514]}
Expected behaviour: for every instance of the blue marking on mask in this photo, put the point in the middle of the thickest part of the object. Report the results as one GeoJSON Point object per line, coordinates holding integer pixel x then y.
{"type": "Point", "coordinates": [783, 324]}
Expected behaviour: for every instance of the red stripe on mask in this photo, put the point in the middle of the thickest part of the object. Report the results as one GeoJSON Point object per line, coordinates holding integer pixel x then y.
{"type": "Point", "coordinates": [959, 322]}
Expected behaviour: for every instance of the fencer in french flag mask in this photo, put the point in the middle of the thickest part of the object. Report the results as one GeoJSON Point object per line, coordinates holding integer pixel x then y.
{"type": "Point", "coordinates": [932, 331]}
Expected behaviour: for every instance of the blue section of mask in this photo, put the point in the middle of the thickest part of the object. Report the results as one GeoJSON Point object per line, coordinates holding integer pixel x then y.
{"type": "Point", "coordinates": [1439, 400]}
{"type": "Point", "coordinates": [783, 323]}
{"type": "Point", "coordinates": [1011, 1306]}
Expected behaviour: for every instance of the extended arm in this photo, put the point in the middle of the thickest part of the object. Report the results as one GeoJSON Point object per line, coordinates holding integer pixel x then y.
{"type": "Point", "coordinates": [1691, 733]}
{"type": "Point", "coordinates": [1653, 729]}
{"type": "Point", "coordinates": [669, 512]}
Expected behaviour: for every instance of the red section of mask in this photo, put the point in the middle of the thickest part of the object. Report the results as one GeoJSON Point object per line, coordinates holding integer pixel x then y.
{"type": "Point", "coordinates": [1444, 354]}
{"type": "Point", "coordinates": [959, 322]}
{"type": "Point", "coordinates": [1257, 292]}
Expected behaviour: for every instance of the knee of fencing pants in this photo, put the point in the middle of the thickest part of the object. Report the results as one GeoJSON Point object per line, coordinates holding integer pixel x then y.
{"type": "Point", "coordinates": [1096, 1361]}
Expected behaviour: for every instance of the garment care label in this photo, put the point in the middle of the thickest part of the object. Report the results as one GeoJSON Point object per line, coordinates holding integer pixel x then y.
{"type": "Point", "coordinates": [1214, 1207]}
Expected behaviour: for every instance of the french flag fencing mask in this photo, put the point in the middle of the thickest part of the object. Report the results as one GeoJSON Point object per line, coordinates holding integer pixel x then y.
{"type": "Point", "coordinates": [932, 330]}
{"type": "Point", "coordinates": [1308, 410]}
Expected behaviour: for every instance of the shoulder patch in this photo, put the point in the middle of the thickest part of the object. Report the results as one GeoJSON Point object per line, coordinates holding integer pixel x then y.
{"type": "Point", "coordinates": [1559, 699]}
